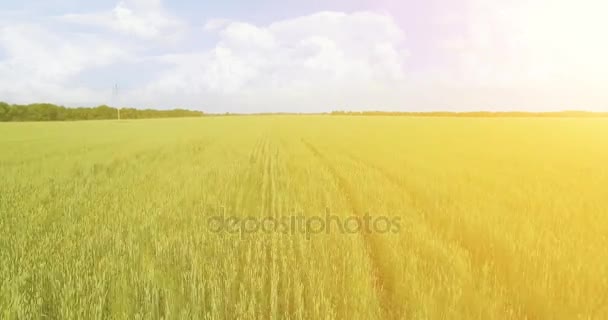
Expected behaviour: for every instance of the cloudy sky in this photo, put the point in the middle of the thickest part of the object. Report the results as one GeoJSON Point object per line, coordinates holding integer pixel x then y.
{"type": "Point", "coordinates": [307, 56]}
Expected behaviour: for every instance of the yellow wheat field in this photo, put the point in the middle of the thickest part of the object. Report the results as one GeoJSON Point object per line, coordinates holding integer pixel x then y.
{"type": "Point", "coordinates": [503, 218]}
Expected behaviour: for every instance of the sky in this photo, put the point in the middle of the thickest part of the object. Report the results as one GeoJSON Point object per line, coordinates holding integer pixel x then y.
{"type": "Point", "coordinates": [307, 56]}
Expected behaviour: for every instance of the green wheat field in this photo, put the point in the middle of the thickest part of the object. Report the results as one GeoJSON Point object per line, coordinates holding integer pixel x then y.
{"type": "Point", "coordinates": [502, 218]}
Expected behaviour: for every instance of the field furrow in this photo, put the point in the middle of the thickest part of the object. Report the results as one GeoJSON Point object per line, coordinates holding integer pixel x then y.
{"type": "Point", "coordinates": [382, 286]}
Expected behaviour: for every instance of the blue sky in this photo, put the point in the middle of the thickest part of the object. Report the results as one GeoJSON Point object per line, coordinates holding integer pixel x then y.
{"type": "Point", "coordinates": [307, 56]}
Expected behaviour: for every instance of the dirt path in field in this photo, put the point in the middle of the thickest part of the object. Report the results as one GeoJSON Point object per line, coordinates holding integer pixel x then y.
{"type": "Point", "coordinates": [382, 286]}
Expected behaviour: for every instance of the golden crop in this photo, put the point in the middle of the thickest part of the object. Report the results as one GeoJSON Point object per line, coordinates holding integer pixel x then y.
{"type": "Point", "coordinates": [501, 218]}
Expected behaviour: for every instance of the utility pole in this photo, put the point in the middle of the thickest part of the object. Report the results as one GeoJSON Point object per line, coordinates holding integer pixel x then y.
{"type": "Point", "coordinates": [115, 100]}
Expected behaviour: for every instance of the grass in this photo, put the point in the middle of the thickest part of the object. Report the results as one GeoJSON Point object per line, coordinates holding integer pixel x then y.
{"type": "Point", "coordinates": [502, 218]}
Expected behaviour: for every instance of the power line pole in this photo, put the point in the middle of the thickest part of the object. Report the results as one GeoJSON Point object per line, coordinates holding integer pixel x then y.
{"type": "Point", "coordinates": [115, 100]}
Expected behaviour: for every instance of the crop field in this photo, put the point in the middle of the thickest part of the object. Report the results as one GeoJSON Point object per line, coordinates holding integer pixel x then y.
{"type": "Point", "coordinates": [305, 217]}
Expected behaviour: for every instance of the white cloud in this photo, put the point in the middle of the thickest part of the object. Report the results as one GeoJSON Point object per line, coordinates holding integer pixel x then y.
{"type": "Point", "coordinates": [518, 54]}
{"type": "Point", "coordinates": [337, 58]}
{"type": "Point", "coordinates": [146, 19]}
{"type": "Point", "coordinates": [39, 62]}
{"type": "Point", "coordinates": [526, 43]}
{"type": "Point", "coordinates": [523, 54]}
{"type": "Point", "coordinates": [44, 59]}
{"type": "Point", "coordinates": [216, 24]}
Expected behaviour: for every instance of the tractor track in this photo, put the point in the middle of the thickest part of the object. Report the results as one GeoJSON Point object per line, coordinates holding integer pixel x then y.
{"type": "Point", "coordinates": [478, 257]}
{"type": "Point", "coordinates": [382, 287]}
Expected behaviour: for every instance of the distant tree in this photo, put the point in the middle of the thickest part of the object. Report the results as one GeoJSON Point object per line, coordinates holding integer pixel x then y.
{"type": "Point", "coordinates": [4, 108]}
{"type": "Point", "coordinates": [51, 112]}
{"type": "Point", "coordinates": [477, 114]}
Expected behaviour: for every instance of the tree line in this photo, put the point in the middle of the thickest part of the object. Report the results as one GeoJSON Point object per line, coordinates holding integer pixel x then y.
{"type": "Point", "coordinates": [480, 114]}
{"type": "Point", "coordinates": [51, 112]}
